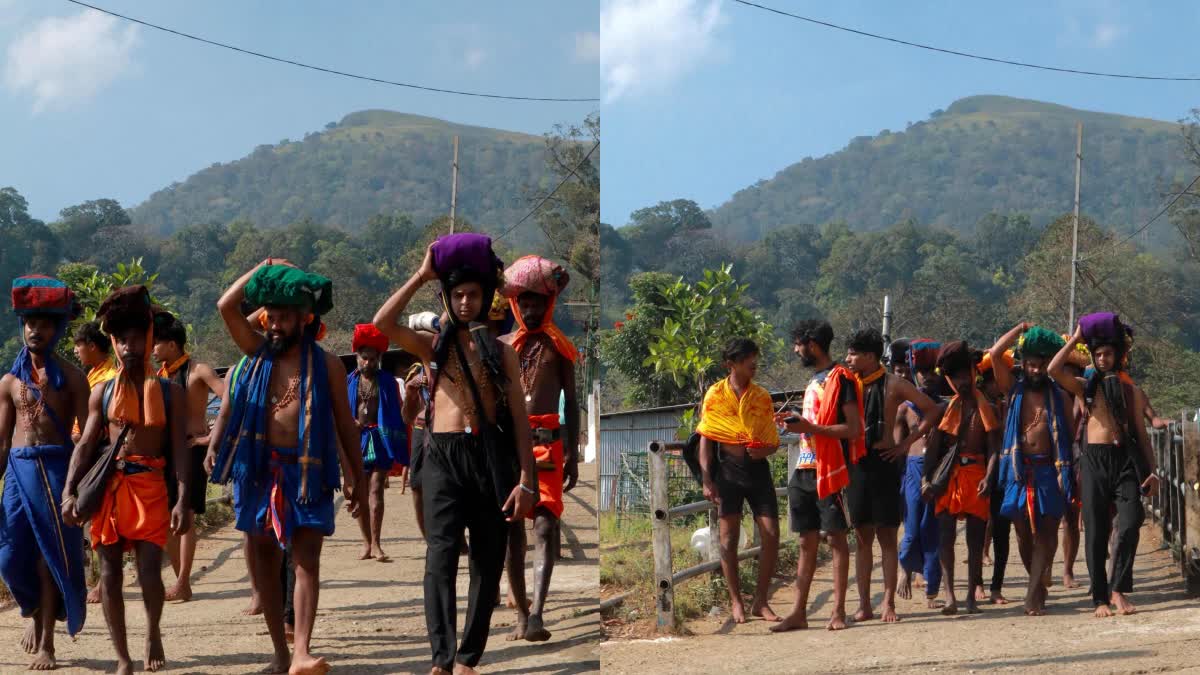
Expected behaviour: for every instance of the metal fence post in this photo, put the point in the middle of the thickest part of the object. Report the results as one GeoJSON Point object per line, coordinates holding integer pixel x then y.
{"type": "Point", "coordinates": [660, 519]}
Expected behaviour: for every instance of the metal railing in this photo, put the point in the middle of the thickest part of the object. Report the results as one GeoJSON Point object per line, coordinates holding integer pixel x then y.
{"type": "Point", "coordinates": [1177, 456]}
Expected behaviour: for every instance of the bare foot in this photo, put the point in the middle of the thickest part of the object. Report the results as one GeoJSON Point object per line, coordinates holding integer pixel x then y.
{"type": "Point", "coordinates": [951, 608]}
{"type": "Point", "coordinates": [438, 671]}
{"type": "Point", "coordinates": [864, 614]}
{"type": "Point", "coordinates": [308, 665]}
{"type": "Point", "coordinates": [255, 606]}
{"type": "Point", "coordinates": [1124, 606]}
{"type": "Point", "coordinates": [738, 612]}
{"type": "Point", "coordinates": [837, 621]}
{"type": "Point", "coordinates": [537, 630]}
{"type": "Point", "coordinates": [460, 669]}
{"type": "Point", "coordinates": [987, 560]}
{"type": "Point", "coordinates": [279, 664]}
{"type": "Point", "coordinates": [904, 590]}
{"type": "Point", "coordinates": [519, 628]}
{"type": "Point", "coordinates": [93, 596]}
{"type": "Point", "coordinates": [932, 602]}
{"type": "Point", "coordinates": [1069, 581]}
{"type": "Point", "coordinates": [889, 614]}
{"type": "Point", "coordinates": [179, 592]}
{"type": "Point", "coordinates": [1035, 611]}
{"type": "Point", "coordinates": [764, 612]}
{"type": "Point", "coordinates": [980, 594]}
{"type": "Point", "coordinates": [366, 554]}
{"type": "Point", "coordinates": [793, 621]}
{"type": "Point", "coordinates": [999, 599]}
{"type": "Point", "coordinates": [124, 668]}
{"type": "Point", "coordinates": [1103, 612]}
{"type": "Point", "coordinates": [155, 658]}
{"type": "Point", "coordinates": [31, 639]}
{"type": "Point", "coordinates": [44, 661]}
{"type": "Point", "coordinates": [378, 554]}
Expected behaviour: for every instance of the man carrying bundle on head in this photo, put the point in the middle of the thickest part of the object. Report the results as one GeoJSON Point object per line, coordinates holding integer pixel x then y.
{"type": "Point", "coordinates": [831, 439]}
{"type": "Point", "coordinates": [375, 396]}
{"type": "Point", "coordinates": [289, 430]}
{"type": "Point", "coordinates": [1117, 467]}
{"type": "Point", "coordinates": [41, 555]}
{"type": "Point", "coordinates": [198, 381]}
{"type": "Point", "coordinates": [477, 432]}
{"type": "Point", "coordinates": [920, 547]}
{"type": "Point", "coordinates": [146, 418]}
{"type": "Point", "coordinates": [960, 458]}
{"type": "Point", "coordinates": [874, 499]}
{"type": "Point", "coordinates": [547, 357]}
{"type": "Point", "coordinates": [1034, 475]}
{"type": "Point", "coordinates": [737, 434]}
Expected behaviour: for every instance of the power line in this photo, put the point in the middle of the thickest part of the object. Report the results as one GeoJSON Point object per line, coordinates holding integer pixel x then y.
{"type": "Point", "coordinates": [968, 55]}
{"type": "Point", "coordinates": [545, 199]}
{"type": "Point", "coordinates": [1151, 221]}
{"type": "Point", "coordinates": [332, 71]}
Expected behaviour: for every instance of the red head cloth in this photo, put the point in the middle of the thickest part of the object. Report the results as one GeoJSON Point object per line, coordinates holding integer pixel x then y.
{"type": "Point", "coordinates": [367, 335]}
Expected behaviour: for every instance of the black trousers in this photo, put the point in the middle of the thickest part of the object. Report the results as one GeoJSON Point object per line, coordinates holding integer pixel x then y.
{"type": "Point", "coordinates": [457, 493]}
{"type": "Point", "coordinates": [1108, 479]}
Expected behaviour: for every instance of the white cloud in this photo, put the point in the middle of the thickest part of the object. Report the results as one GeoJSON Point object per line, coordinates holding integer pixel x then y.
{"type": "Point", "coordinates": [647, 44]}
{"type": "Point", "coordinates": [587, 47]}
{"type": "Point", "coordinates": [474, 57]}
{"type": "Point", "coordinates": [1107, 33]}
{"type": "Point", "coordinates": [61, 61]}
{"type": "Point", "coordinates": [1095, 24]}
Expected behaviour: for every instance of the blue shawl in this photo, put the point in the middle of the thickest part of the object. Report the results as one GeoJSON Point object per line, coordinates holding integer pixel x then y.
{"type": "Point", "coordinates": [243, 453]}
{"type": "Point", "coordinates": [391, 422]}
{"type": "Point", "coordinates": [1013, 470]}
{"type": "Point", "coordinates": [22, 367]}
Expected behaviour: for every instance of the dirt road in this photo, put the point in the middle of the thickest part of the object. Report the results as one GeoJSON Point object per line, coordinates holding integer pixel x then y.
{"type": "Point", "coordinates": [371, 617]}
{"type": "Point", "coordinates": [1163, 637]}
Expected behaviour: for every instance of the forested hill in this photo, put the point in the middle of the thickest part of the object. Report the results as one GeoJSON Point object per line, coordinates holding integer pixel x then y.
{"type": "Point", "coordinates": [372, 162]}
{"type": "Point", "coordinates": [983, 154]}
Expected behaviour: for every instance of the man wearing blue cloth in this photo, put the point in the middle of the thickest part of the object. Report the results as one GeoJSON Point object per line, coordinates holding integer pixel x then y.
{"type": "Point", "coordinates": [920, 546]}
{"type": "Point", "coordinates": [375, 397]}
{"type": "Point", "coordinates": [289, 429]}
{"type": "Point", "coordinates": [41, 558]}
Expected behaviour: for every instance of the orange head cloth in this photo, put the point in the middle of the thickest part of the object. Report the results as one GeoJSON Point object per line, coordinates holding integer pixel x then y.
{"type": "Point", "coordinates": [748, 421]}
{"type": "Point", "coordinates": [123, 310]}
{"type": "Point", "coordinates": [832, 474]}
{"type": "Point", "coordinates": [534, 274]}
{"type": "Point", "coordinates": [956, 357]}
{"type": "Point", "coordinates": [1006, 361]}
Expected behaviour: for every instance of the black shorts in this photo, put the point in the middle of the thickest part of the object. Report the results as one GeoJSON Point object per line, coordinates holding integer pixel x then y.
{"type": "Point", "coordinates": [873, 496]}
{"type": "Point", "coordinates": [416, 457]}
{"type": "Point", "coordinates": [806, 512]}
{"type": "Point", "coordinates": [742, 479]}
{"type": "Point", "coordinates": [198, 481]}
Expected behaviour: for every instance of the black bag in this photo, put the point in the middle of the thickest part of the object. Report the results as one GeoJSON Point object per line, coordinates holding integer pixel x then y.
{"type": "Point", "coordinates": [93, 485]}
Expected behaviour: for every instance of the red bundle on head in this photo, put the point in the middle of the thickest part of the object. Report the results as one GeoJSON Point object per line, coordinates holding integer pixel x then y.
{"type": "Point", "coordinates": [367, 335]}
{"type": "Point", "coordinates": [37, 294]}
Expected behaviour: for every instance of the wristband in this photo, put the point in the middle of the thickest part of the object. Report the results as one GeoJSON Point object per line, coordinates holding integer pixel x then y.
{"type": "Point", "coordinates": [527, 490]}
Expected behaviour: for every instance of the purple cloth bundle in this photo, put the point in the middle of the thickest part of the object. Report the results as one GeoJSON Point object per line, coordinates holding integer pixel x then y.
{"type": "Point", "coordinates": [467, 249]}
{"type": "Point", "coordinates": [1103, 327]}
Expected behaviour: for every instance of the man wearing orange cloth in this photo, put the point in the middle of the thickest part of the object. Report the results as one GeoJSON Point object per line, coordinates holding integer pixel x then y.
{"type": "Point", "coordinates": [146, 417]}
{"type": "Point", "coordinates": [532, 285]}
{"type": "Point", "coordinates": [737, 435]}
{"type": "Point", "coordinates": [970, 431]}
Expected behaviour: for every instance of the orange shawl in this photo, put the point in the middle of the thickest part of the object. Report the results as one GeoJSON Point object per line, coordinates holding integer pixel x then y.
{"type": "Point", "coordinates": [832, 474]}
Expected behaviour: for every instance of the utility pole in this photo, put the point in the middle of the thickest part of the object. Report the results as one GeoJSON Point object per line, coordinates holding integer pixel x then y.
{"type": "Point", "coordinates": [1075, 236]}
{"type": "Point", "coordinates": [453, 184]}
{"type": "Point", "coordinates": [887, 321]}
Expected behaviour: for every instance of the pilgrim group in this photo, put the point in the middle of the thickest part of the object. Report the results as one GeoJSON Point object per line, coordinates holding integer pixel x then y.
{"type": "Point", "coordinates": [1039, 431]}
{"type": "Point", "coordinates": [122, 456]}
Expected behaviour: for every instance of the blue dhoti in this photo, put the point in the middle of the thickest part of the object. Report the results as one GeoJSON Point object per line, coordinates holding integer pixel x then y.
{"type": "Point", "coordinates": [919, 547]}
{"type": "Point", "coordinates": [377, 454]}
{"type": "Point", "coordinates": [274, 505]}
{"type": "Point", "coordinates": [1039, 493]}
{"type": "Point", "coordinates": [32, 526]}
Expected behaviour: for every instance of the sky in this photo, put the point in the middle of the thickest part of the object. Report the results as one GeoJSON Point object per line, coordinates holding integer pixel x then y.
{"type": "Point", "coordinates": [95, 107]}
{"type": "Point", "coordinates": [705, 97]}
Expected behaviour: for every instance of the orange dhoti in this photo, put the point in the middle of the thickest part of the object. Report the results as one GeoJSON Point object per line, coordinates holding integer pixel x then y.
{"type": "Point", "coordinates": [550, 480]}
{"type": "Point", "coordinates": [134, 506]}
{"type": "Point", "coordinates": [962, 495]}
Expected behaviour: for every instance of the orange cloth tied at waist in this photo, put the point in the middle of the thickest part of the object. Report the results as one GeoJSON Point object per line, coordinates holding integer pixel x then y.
{"type": "Point", "coordinates": [550, 482]}
{"type": "Point", "coordinates": [748, 421]}
{"type": "Point", "coordinates": [962, 495]}
{"type": "Point", "coordinates": [832, 473]}
{"type": "Point", "coordinates": [134, 506]}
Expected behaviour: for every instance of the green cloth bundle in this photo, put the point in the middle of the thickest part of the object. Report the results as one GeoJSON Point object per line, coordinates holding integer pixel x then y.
{"type": "Point", "coordinates": [283, 286]}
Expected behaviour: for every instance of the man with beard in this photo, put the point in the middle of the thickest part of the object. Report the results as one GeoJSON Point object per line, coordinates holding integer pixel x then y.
{"type": "Point", "coordinates": [41, 556]}
{"type": "Point", "coordinates": [1035, 475]}
{"type": "Point", "coordinates": [467, 469]}
{"type": "Point", "coordinates": [375, 396]}
{"type": "Point", "coordinates": [1117, 467]}
{"type": "Point", "coordinates": [873, 496]}
{"type": "Point", "coordinates": [147, 417]}
{"type": "Point", "coordinates": [547, 358]}
{"type": "Point", "coordinates": [198, 380]}
{"type": "Point", "coordinates": [830, 439]}
{"type": "Point", "coordinates": [919, 548]}
{"type": "Point", "coordinates": [970, 425]}
{"type": "Point", "coordinates": [289, 430]}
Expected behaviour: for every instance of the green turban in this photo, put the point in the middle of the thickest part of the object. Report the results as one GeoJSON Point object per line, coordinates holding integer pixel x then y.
{"type": "Point", "coordinates": [1038, 341]}
{"type": "Point", "coordinates": [283, 286]}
